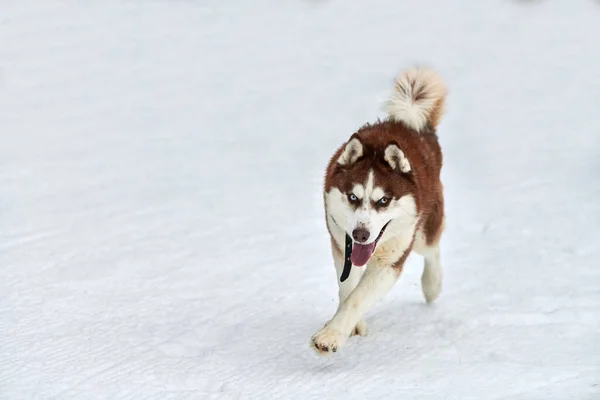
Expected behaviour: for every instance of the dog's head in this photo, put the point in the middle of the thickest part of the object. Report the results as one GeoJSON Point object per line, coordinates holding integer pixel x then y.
{"type": "Point", "coordinates": [368, 187]}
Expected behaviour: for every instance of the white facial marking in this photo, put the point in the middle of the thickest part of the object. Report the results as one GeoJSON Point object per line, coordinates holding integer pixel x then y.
{"type": "Point", "coordinates": [377, 194]}
{"type": "Point", "coordinates": [351, 153]}
{"type": "Point", "coordinates": [369, 184]}
{"type": "Point", "coordinates": [396, 158]}
{"type": "Point", "coordinates": [359, 191]}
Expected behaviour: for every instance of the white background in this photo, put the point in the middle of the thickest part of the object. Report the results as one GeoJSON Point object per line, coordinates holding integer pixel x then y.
{"type": "Point", "coordinates": [161, 218]}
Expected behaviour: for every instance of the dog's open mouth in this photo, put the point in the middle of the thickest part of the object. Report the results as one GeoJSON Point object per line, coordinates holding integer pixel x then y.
{"type": "Point", "coordinates": [362, 252]}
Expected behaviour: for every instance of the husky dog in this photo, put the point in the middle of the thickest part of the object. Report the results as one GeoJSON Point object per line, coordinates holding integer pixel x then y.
{"type": "Point", "coordinates": [383, 199]}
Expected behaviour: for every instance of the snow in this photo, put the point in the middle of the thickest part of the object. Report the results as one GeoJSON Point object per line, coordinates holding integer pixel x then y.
{"type": "Point", "coordinates": [162, 232]}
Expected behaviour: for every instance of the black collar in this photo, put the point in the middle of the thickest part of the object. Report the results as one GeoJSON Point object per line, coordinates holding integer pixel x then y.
{"type": "Point", "coordinates": [347, 262]}
{"type": "Point", "coordinates": [348, 253]}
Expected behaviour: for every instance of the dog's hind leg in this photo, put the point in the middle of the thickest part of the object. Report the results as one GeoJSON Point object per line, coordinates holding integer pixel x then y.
{"type": "Point", "coordinates": [431, 279]}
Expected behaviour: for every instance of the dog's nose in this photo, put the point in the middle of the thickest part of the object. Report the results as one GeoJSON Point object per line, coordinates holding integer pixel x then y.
{"type": "Point", "coordinates": [360, 235]}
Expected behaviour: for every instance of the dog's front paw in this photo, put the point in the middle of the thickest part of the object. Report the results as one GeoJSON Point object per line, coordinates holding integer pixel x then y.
{"type": "Point", "coordinates": [328, 340]}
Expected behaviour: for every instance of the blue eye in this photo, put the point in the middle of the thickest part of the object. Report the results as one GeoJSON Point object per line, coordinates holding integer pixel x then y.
{"type": "Point", "coordinates": [352, 197]}
{"type": "Point", "coordinates": [383, 201]}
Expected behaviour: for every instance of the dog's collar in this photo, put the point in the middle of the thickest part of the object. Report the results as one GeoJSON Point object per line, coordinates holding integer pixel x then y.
{"type": "Point", "coordinates": [347, 262]}
{"type": "Point", "coordinates": [347, 254]}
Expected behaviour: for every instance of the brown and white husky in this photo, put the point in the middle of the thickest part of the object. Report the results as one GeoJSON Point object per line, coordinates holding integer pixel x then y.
{"type": "Point", "coordinates": [383, 199]}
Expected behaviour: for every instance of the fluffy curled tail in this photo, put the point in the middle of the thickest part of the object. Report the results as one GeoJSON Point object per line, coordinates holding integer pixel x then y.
{"type": "Point", "coordinates": [418, 98]}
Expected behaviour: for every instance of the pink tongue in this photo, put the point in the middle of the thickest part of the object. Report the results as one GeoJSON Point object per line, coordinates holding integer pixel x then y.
{"type": "Point", "coordinates": [361, 253]}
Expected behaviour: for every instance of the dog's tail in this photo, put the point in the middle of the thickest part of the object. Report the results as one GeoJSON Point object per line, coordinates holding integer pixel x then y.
{"type": "Point", "coordinates": [418, 98]}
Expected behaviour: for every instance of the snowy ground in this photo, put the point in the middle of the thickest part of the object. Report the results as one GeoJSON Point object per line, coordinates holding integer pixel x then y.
{"type": "Point", "coordinates": [161, 227]}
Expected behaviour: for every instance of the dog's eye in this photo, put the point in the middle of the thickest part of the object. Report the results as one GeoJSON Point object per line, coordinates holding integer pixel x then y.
{"type": "Point", "coordinates": [352, 197]}
{"type": "Point", "coordinates": [383, 201]}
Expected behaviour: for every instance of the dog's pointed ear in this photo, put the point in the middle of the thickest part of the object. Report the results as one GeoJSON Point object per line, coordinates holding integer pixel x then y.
{"type": "Point", "coordinates": [352, 152]}
{"type": "Point", "coordinates": [396, 158]}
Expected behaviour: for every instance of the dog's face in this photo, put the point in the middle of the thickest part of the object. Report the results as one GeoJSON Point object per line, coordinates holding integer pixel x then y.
{"type": "Point", "coordinates": [368, 190]}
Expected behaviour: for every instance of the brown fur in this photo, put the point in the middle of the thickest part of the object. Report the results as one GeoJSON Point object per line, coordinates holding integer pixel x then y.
{"type": "Point", "coordinates": [423, 181]}
{"type": "Point", "coordinates": [405, 158]}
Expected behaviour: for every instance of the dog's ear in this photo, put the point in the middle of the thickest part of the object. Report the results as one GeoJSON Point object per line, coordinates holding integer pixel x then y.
{"type": "Point", "coordinates": [396, 158]}
{"type": "Point", "coordinates": [352, 152]}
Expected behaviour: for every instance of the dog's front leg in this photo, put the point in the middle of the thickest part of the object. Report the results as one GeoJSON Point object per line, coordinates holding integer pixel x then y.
{"type": "Point", "coordinates": [376, 282]}
{"type": "Point", "coordinates": [346, 287]}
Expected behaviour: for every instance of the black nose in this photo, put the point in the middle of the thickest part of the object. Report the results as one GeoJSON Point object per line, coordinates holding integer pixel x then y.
{"type": "Point", "coordinates": [360, 235]}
